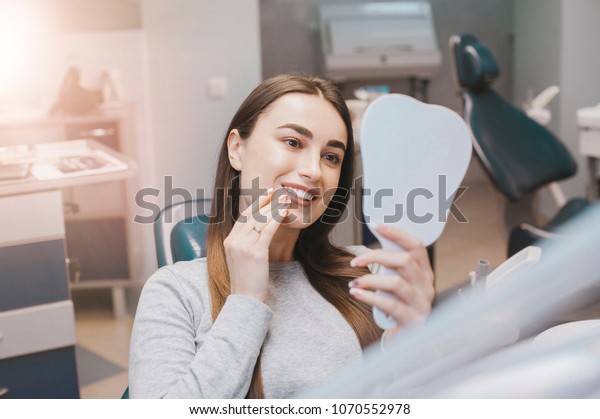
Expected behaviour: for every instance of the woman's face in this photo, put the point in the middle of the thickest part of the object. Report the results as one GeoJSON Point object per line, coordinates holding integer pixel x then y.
{"type": "Point", "coordinates": [297, 147]}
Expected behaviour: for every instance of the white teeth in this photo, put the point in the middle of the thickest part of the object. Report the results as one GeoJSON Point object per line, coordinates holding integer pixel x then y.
{"type": "Point", "coordinates": [300, 193]}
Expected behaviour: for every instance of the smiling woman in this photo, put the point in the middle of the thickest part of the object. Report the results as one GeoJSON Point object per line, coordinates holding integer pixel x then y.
{"type": "Point", "coordinates": [275, 307]}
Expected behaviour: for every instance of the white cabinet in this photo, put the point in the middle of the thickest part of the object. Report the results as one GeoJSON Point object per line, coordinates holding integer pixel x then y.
{"type": "Point", "coordinates": [98, 217]}
{"type": "Point", "coordinates": [37, 325]}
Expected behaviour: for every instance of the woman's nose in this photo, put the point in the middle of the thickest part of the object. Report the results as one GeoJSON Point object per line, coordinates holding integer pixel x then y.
{"type": "Point", "coordinates": [309, 166]}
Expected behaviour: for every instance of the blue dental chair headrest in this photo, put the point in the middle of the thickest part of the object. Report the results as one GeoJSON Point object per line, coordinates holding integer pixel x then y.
{"type": "Point", "coordinates": [476, 66]}
{"type": "Point", "coordinates": [482, 69]}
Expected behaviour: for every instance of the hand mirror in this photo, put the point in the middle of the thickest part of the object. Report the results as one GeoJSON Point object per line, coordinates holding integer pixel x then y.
{"type": "Point", "coordinates": [414, 157]}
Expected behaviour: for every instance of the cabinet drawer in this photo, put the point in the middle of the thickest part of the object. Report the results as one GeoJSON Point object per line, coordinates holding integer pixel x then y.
{"type": "Point", "coordinates": [100, 200]}
{"type": "Point", "coordinates": [31, 217]}
{"type": "Point", "coordinates": [36, 329]}
{"type": "Point", "coordinates": [33, 274]}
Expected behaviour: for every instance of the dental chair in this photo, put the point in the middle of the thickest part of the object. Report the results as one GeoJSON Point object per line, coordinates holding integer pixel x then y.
{"type": "Point", "coordinates": [180, 232]}
{"type": "Point", "coordinates": [518, 154]}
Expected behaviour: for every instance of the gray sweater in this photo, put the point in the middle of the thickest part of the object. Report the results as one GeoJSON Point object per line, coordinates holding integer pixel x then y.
{"type": "Point", "coordinates": [177, 351]}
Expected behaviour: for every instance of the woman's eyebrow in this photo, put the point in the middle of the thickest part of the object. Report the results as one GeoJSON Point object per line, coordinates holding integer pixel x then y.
{"type": "Point", "coordinates": [305, 132]}
{"type": "Point", "coordinates": [337, 144]}
{"type": "Point", "coordinates": [299, 129]}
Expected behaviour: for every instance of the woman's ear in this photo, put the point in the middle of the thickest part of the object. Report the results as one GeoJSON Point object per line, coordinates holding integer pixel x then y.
{"type": "Point", "coordinates": [235, 147]}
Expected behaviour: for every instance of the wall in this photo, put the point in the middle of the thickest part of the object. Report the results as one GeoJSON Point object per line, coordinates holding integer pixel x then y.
{"type": "Point", "coordinates": [39, 39]}
{"type": "Point", "coordinates": [59, 16]}
{"type": "Point", "coordinates": [188, 42]}
{"type": "Point", "coordinates": [537, 52]}
{"type": "Point", "coordinates": [291, 42]}
{"type": "Point", "coordinates": [580, 64]}
{"type": "Point", "coordinates": [555, 43]}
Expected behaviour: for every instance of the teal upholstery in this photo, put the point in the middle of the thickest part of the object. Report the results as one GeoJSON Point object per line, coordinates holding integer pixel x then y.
{"type": "Point", "coordinates": [188, 238]}
{"type": "Point", "coordinates": [180, 231]}
{"type": "Point", "coordinates": [518, 154]}
{"type": "Point", "coordinates": [480, 67]}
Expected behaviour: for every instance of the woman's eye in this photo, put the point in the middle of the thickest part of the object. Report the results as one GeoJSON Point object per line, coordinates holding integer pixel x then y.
{"type": "Point", "coordinates": [333, 158]}
{"type": "Point", "coordinates": [292, 142]}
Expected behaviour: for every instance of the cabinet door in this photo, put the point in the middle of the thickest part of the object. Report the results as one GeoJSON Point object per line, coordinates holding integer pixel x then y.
{"type": "Point", "coordinates": [97, 249]}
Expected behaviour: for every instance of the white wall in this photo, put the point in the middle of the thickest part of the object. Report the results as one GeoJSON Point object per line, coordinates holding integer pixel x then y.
{"type": "Point", "coordinates": [538, 28]}
{"type": "Point", "coordinates": [580, 63]}
{"type": "Point", "coordinates": [556, 43]}
{"type": "Point", "coordinates": [188, 42]}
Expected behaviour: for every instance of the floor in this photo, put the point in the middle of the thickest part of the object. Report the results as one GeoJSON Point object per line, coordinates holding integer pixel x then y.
{"type": "Point", "coordinates": [100, 333]}
{"type": "Point", "coordinates": [457, 252]}
{"type": "Point", "coordinates": [482, 236]}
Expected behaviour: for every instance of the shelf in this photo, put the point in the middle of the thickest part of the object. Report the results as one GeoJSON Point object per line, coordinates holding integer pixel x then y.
{"type": "Point", "coordinates": [46, 175]}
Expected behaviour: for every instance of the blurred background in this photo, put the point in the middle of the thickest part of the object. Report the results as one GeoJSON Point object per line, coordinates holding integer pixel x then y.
{"type": "Point", "coordinates": [157, 82]}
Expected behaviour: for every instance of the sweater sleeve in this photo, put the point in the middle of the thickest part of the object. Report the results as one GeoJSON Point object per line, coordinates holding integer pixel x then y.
{"type": "Point", "coordinates": [171, 356]}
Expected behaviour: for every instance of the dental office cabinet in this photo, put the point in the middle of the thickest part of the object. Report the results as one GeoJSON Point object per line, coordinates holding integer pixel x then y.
{"type": "Point", "coordinates": [37, 324]}
{"type": "Point", "coordinates": [98, 231]}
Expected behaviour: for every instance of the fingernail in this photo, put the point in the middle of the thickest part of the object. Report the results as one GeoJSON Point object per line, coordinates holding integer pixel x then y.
{"type": "Point", "coordinates": [284, 199]}
{"type": "Point", "coordinates": [353, 283]}
{"type": "Point", "coordinates": [283, 212]}
{"type": "Point", "coordinates": [356, 291]}
{"type": "Point", "coordinates": [354, 262]}
{"type": "Point", "coordinates": [269, 191]}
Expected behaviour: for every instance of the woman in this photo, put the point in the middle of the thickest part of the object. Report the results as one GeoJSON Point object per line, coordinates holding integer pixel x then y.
{"type": "Point", "coordinates": [274, 308]}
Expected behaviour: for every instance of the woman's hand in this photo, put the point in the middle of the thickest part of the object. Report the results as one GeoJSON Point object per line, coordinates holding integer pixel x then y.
{"type": "Point", "coordinates": [411, 283]}
{"type": "Point", "coordinates": [247, 246]}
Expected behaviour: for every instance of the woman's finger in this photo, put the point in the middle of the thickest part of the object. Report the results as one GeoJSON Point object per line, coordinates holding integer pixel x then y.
{"type": "Point", "coordinates": [246, 216]}
{"type": "Point", "coordinates": [407, 241]}
{"type": "Point", "coordinates": [406, 266]}
{"type": "Point", "coordinates": [267, 214]}
{"type": "Point", "coordinates": [400, 311]}
{"type": "Point", "coordinates": [271, 212]}
{"type": "Point", "coordinates": [275, 220]}
{"type": "Point", "coordinates": [395, 285]}
{"type": "Point", "coordinates": [258, 203]}
{"type": "Point", "coordinates": [402, 262]}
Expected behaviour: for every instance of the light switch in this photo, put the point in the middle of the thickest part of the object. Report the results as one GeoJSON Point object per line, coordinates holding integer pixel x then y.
{"type": "Point", "coordinates": [218, 87]}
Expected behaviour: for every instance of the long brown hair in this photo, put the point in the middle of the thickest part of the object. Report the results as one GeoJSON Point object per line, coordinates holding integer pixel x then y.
{"type": "Point", "coordinates": [326, 266]}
